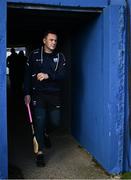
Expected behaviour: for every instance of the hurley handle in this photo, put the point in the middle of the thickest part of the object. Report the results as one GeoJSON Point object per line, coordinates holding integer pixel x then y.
{"type": "Point", "coordinates": [29, 112]}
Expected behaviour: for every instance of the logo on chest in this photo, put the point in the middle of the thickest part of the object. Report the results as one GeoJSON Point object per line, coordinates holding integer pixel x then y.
{"type": "Point", "coordinates": [55, 60]}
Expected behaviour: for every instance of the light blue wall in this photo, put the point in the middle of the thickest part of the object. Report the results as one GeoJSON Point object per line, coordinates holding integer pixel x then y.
{"type": "Point", "coordinates": [3, 123]}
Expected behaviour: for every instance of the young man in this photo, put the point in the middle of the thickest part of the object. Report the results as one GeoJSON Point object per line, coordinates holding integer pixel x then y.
{"type": "Point", "coordinates": [45, 71]}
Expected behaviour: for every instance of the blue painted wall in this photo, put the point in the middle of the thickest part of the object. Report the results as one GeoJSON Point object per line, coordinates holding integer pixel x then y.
{"type": "Point", "coordinates": [75, 3]}
{"type": "Point", "coordinates": [99, 87]}
{"type": "Point", "coordinates": [127, 133]}
{"type": "Point", "coordinates": [3, 123]}
{"type": "Point", "coordinates": [118, 2]}
{"type": "Point", "coordinates": [115, 99]}
{"type": "Point", "coordinates": [100, 96]}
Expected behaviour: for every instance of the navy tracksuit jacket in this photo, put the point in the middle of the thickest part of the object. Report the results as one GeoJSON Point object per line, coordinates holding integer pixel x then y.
{"type": "Point", "coordinates": [53, 64]}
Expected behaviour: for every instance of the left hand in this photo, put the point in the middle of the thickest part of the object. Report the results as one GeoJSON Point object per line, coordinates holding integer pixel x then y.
{"type": "Point", "coordinates": [42, 76]}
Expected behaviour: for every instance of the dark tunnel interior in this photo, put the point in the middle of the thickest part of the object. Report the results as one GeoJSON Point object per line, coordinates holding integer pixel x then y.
{"type": "Point", "coordinates": [26, 26]}
{"type": "Point", "coordinates": [24, 29]}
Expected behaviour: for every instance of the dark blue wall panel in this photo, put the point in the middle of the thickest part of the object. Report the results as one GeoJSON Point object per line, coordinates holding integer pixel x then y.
{"type": "Point", "coordinates": [99, 88]}
{"type": "Point", "coordinates": [3, 123]}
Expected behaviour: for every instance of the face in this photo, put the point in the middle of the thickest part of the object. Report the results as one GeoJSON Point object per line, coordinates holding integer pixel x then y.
{"type": "Point", "coordinates": [50, 42]}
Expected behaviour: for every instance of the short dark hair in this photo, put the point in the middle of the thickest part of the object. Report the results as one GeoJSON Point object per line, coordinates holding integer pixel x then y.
{"type": "Point", "coordinates": [12, 50]}
{"type": "Point", "coordinates": [49, 32]}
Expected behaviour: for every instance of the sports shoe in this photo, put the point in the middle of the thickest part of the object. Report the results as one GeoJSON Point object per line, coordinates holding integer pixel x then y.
{"type": "Point", "coordinates": [40, 162]}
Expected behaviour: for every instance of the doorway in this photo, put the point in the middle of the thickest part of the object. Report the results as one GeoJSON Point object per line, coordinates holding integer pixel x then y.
{"type": "Point", "coordinates": [75, 31]}
{"type": "Point", "coordinates": [91, 49]}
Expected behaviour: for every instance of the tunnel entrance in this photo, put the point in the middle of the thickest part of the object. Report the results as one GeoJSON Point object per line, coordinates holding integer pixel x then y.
{"type": "Point", "coordinates": [80, 40]}
{"type": "Point", "coordinates": [25, 26]}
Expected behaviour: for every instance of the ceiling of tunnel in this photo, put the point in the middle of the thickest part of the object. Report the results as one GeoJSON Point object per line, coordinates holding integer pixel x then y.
{"type": "Point", "coordinates": [25, 26]}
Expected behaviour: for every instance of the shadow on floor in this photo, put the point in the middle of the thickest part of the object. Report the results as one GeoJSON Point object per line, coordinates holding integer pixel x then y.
{"type": "Point", "coordinates": [14, 172]}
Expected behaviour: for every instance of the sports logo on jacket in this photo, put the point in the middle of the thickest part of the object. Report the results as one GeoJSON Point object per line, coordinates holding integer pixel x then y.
{"type": "Point", "coordinates": [55, 60]}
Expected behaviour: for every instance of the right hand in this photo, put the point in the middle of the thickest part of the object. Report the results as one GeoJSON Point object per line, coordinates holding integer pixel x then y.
{"type": "Point", "coordinates": [27, 99]}
{"type": "Point", "coordinates": [41, 76]}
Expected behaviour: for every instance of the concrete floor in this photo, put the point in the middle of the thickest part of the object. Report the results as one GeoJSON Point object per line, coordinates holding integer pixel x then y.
{"type": "Point", "coordinates": [65, 160]}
